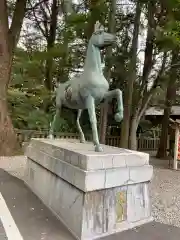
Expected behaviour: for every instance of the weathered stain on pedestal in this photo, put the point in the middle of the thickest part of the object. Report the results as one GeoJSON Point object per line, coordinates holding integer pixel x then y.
{"type": "Point", "coordinates": [121, 205]}
{"type": "Point", "coordinates": [94, 194]}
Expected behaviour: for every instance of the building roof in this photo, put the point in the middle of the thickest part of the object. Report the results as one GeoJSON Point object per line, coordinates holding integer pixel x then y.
{"type": "Point", "coordinates": [157, 111]}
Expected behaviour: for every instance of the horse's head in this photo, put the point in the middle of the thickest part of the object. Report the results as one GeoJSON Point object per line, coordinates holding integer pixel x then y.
{"type": "Point", "coordinates": [100, 38]}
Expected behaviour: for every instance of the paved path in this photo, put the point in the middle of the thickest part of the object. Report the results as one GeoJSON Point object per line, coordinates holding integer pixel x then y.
{"type": "Point", "coordinates": [2, 232]}
{"type": "Point", "coordinates": [28, 215]}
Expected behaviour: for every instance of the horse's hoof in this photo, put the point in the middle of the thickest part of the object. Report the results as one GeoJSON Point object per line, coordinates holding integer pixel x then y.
{"type": "Point", "coordinates": [118, 117]}
{"type": "Point", "coordinates": [98, 148]}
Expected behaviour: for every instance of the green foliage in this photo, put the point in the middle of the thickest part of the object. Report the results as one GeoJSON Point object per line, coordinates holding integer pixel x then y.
{"type": "Point", "coordinates": [168, 30]}
{"type": "Point", "coordinates": [31, 105]}
{"type": "Point", "coordinates": [27, 111]}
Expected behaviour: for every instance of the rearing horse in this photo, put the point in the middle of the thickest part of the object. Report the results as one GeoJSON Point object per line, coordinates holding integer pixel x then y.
{"type": "Point", "coordinates": [89, 89]}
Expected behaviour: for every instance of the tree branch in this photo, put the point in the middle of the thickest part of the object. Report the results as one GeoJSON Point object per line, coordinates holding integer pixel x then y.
{"type": "Point", "coordinates": [45, 20]}
{"type": "Point", "coordinates": [156, 85]}
{"type": "Point", "coordinates": [128, 94]}
{"type": "Point", "coordinates": [39, 24]}
{"type": "Point", "coordinates": [48, 7]}
{"type": "Point", "coordinates": [148, 58]}
{"type": "Point", "coordinates": [36, 5]}
{"type": "Point", "coordinates": [148, 62]}
{"type": "Point", "coordinates": [53, 24]}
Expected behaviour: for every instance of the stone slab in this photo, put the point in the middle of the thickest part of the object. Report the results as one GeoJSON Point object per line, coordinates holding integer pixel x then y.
{"type": "Point", "coordinates": [90, 215]}
{"type": "Point", "coordinates": [84, 157]}
{"type": "Point", "coordinates": [63, 165]}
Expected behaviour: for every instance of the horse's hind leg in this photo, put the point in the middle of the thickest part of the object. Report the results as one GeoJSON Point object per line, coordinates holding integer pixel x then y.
{"type": "Point", "coordinates": [82, 138]}
{"type": "Point", "coordinates": [52, 127]}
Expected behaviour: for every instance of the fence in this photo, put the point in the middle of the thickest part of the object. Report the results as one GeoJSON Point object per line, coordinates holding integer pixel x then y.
{"type": "Point", "coordinates": [143, 143]}
{"type": "Point", "coordinates": [148, 144]}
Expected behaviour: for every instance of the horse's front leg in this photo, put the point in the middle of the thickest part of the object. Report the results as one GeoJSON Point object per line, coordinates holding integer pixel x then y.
{"type": "Point", "coordinates": [82, 138]}
{"type": "Point", "coordinates": [90, 104]}
{"type": "Point", "coordinates": [117, 93]}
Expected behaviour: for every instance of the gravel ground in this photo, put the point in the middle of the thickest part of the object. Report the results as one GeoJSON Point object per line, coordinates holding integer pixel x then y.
{"type": "Point", "coordinates": [14, 165]}
{"type": "Point", "coordinates": [165, 196]}
{"type": "Point", "coordinates": [164, 189]}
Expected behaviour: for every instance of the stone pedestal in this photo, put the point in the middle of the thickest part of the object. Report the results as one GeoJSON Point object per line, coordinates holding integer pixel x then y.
{"type": "Point", "coordinates": [93, 194]}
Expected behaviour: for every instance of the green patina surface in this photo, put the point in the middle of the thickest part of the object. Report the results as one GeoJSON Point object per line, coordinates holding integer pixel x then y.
{"type": "Point", "coordinates": [90, 88]}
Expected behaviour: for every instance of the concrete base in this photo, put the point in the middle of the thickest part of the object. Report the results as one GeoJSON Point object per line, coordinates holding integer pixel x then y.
{"type": "Point", "coordinates": [91, 199]}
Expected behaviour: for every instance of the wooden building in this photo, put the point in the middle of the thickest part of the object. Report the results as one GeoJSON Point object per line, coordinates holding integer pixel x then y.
{"type": "Point", "coordinates": [155, 114]}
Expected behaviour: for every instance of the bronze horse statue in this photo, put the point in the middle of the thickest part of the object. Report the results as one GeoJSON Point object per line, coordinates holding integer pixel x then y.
{"type": "Point", "coordinates": [90, 88]}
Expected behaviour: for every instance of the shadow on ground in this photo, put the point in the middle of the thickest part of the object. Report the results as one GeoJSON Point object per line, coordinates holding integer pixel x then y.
{"type": "Point", "coordinates": [34, 220]}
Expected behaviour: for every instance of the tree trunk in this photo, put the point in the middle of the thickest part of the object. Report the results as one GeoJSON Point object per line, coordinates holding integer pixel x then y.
{"type": "Point", "coordinates": [8, 41]}
{"type": "Point", "coordinates": [130, 82]}
{"type": "Point", "coordinates": [170, 97]}
{"type": "Point", "coordinates": [143, 96]}
{"type": "Point", "coordinates": [8, 140]}
{"type": "Point", "coordinates": [107, 73]}
{"type": "Point", "coordinates": [67, 9]}
{"type": "Point", "coordinates": [162, 150]}
{"type": "Point", "coordinates": [92, 5]}
{"type": "Point", "coordinates": [148, 57]}
{"type": "Point", "coordinates": [144, 100]}
{"type": "Point", "coordinates": [50, 44]}
{"type": "Point", "coordinates": [132, 135]}
{"type": "Point", "coordinates": [48, 74]}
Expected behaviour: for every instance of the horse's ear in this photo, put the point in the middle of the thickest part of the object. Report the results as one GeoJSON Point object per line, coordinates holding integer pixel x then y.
{"type": "Point", "coordinates": [97, 26]}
